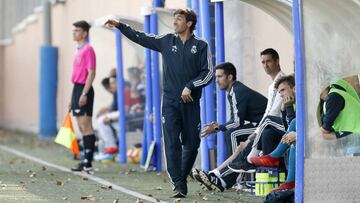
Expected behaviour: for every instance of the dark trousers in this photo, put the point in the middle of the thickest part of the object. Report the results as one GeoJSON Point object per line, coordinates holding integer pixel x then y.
{"type": "Point", "coordinates": [181, 129]}
{"type": "Point", "coordinates": [228, 175]}
{"type": "Point", "coordinates": [271, 134]}
{"type": "Point", "coordinates": [233, 137]}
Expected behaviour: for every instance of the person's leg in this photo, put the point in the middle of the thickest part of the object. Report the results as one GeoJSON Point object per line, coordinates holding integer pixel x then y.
{"type": "Point", "coordinates": [270, 138]}
{"type": "Point", "coordinates": [86, 130]}
{"type": "Point", "coordinates": [233, 137]}
{"type": "Point", "coordinates": [281, 148]}
{"type": "Point", "coordinates": [171, 120]}
{"type": "Point", "coordinates": [83, 116]}
{"type": "Point", "coordinates": [189, 136]}
{"type": "Point", "coordinates": [290, 179]}
{"type": "Point", "coordinates": [272, 122]}
{"type": "Point", "coordinates": [228, 143]}
{"type": "Point", "coordinates": [228, 177]}
{"type": "Point", "coordinates": [291, 170]}
{"type": "Point", "coordinates": [105, 132]}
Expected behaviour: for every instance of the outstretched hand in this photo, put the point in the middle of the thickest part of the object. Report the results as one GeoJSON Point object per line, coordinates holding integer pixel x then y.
{"type": "Point", "coordinates": [112, 23]}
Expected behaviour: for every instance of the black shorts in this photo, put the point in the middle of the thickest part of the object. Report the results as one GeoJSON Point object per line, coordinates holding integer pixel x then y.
{"type": "Point", "coordinates": [85, 110]}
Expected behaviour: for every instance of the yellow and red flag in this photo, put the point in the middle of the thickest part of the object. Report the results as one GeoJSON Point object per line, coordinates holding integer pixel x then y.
{"type": "Point", "coordinates": [66, 136]}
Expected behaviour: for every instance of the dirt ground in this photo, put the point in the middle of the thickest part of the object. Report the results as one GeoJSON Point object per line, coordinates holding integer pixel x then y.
{"type": "Point", "coordinates": [23, 180]}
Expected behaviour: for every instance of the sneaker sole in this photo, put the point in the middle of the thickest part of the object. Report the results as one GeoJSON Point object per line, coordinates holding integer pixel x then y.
{"type": "Point", "coordinates": [178, 195]}
{"type": "Point", "coordinates": [207, 182]}
{"type": "Point", "coordinates": [197, 177]}
{"type": "Point", "coordinates": [242, 170]}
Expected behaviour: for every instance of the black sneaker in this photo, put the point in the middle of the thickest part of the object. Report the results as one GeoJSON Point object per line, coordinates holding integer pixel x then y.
{"type": "Point", "coordinates": [242, 167]}
{"type": "Point", "coordinates": [196, 176]}
{"type": "Point", "coordinates": [210, 180]}
{"type": "Point", "coordinates": [83, 167]}
{"type": "Point", "coordinates": [178, 194]}
{"type": "Point", "coordinates": [180, 191]}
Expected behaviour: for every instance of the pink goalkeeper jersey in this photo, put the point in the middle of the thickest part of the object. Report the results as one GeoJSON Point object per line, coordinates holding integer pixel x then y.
{"type": "Point", "coordinates": [84, 60]}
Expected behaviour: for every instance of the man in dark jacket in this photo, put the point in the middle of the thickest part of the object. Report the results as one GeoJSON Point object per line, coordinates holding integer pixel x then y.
{"type": "Point", "coordinates": [246, 108]}
{"type": "Point", "coordinates": [187, 68]}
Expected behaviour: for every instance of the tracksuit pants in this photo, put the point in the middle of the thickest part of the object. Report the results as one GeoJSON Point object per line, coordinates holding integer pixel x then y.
{"type": "Point", "coordinates": [233, 137]}
{"type": "Point", "coordinates": [181, 130]}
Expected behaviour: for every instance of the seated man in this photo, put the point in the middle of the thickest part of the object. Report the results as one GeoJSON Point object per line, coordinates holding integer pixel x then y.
{"type": "Point", "coordinates": [246, 108]}
{"type": "Point", "coordinates": [273, 159]}
{"type": "Point", "coordinates": [225, 176]}
{"type": "Point", "coordinates": [340, 110]}
{"type": "Point", "coordinates": [105, 131]}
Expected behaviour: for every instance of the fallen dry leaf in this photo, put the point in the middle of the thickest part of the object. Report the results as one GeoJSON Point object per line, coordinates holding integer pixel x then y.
{"type": "Point", "coordinates": [106, 187]}
{"type": "Point", "coordinates": [59, 183]}
{"type": "Point", "coordinates": [158, 188]}
{"type": "Point", "coordinates": [65, 198]}
{"type": "Point", "coordinates": [89, 197]}
{"type": "Point", "coordinates": [116, 201]}
{"type": "Point", "coordinates": [177, 200]}
{"type": "Point", "coordinates": [32, 175]}
{"type": "Point", "coordinates": [139, 201]}
{"type": "Point", "coordinates": [205, 198]}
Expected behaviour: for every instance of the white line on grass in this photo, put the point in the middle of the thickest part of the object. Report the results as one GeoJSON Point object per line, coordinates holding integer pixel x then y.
{"type": "Point", "coordinates": [91, 177]}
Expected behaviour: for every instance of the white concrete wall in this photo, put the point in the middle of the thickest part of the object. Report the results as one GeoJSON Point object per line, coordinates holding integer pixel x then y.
{"type": "Point", "coordinates": [248, 31]}
{"type": "Point", "coordinates": [250, 26]}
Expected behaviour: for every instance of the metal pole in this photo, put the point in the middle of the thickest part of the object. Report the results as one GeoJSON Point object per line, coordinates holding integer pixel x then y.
{"type": "Point", "coordinates": [47, 80]}
{"type": "Point", "coordinates": [203, 146]}
{"type": "Point", "coordinates": [300, 93]}
{"type": "Point", "coordinates": [120, 94]}
{"type": "Point", "coordinates": [156, 90]}
{"type": "Point", "coordinates": [47, 22]}
{"type": "Point", "coordinates": [148, 131]}
{"type": "Point", "coordinates": [220, 94]}
{"type": "Point", "coordinates": [210, 113]}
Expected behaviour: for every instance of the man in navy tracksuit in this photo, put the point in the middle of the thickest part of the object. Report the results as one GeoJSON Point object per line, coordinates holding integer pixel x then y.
{"type": "Point", "coordinates": [187, 67]}
{"type": "Point", "coordinates": [247, 108]}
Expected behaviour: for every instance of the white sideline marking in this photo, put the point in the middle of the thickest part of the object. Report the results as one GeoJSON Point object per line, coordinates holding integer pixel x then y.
{"type": "Point", "coordinates": [94, 178]}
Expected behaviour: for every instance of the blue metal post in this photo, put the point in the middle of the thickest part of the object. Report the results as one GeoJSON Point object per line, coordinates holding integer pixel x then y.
{"type": "Point", "coordinates": [210, 113]}
{"type": "Point", "coordinates": [120, 94]}
{"type": "Point", "coordinates": [47, 79]}
{"type": "Point", "coordinates": [205, 165]}
{"type": "Point", "coordinates": [300, 95]}
{"type": "Point", "coordinates": [48, 89]}
{"type": "Point", "coordinates": [220, 94]}
{"type": "Point", "coordinates": [148, 132]}
{"type": "Point", "coordinates": [144, 150]}
{"type": "Point", "coordinates": [204, 147]}
{"type": "Point", "coordinates": [156, 90]}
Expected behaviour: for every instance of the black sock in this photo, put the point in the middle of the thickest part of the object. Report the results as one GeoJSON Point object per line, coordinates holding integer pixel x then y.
{"type": "Point", "coordinates": [89, 146]}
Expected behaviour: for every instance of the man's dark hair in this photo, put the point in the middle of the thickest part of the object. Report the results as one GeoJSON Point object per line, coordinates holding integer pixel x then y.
{"type": "Point", "coordinates": [229, 69]}
{"type": "Point", "coordinates": [272, 52]}
{"type": "Point", "coordinates": [83, 25]}
{"type": "Point", "coordinates": [106, 83]}
{"type": "Point", "coordinates": [190, 15]}
{"type": "Point", "coordinates": [289, 79]}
